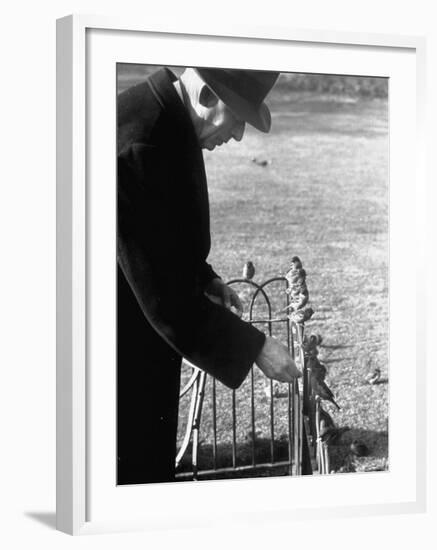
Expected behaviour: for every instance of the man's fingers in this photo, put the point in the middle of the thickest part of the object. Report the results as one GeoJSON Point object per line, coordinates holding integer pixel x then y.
{"type": "Point", "coordinates": [295, 372]}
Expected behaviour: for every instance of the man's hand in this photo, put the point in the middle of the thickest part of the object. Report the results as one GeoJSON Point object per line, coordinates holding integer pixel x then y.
{"type": "Point", "coordinates": [220, 293]}
{"type": "Point", "coordinates": [275, 361]}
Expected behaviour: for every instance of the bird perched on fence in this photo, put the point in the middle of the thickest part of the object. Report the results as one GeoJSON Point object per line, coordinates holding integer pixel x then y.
{"type": "Point", "coordinates": [295, 275]}
{"type": "Point", "coordinates": [331, 435]}
{"type": "Point", "coordinates": [302, 315]}
{"type": "Point", "coordinates": [315, 339]}
{"type": "Point", "coordinates": [298, 292]}
{"type": "Point", "coordinates": [374, 376]}
{"type": "Point", "coordinates": [318, 369]}
{"type": "Point", "coordinates": [320, 388]}
{"type": "Point", "coordinates": [309, 350]}
{"type": "Point", "coordinates": [295, 263]}
{"type": "Point", "coordinates": [248, 270]}
{"type": "Point", "coordinates": [297, 288]}
{"type": "Point", "coordinates": [310, 344]}
{"type": "Point", "coordinates": [359, 448]}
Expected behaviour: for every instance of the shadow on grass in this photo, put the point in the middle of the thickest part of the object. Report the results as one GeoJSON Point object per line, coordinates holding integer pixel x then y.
{"type": "Point", "coordinates": [376, 459]}
{"type": "Point", "coordinates": [264, 452]}
{"type": "Point", "coordinates": [336, 346]}
{"type": "Point", "coordinates": [381, 381]}
{"type": "Point", "coordinates": [376, 443]}
{"type": "Point", "coordinates": [337, 359]}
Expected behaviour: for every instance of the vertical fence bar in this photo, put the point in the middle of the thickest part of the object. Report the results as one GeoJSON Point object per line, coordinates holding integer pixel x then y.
{"type": "Point", "coordinates": [296, 405]}
{"type": "Point", "coordinates": [234, 431]}
{"type": "Point", "coordinates": [290, 389]}
{"type": "Point", "coordinates": [290, 432]}
{"type": "Point", "coordinates": [190, 422]}
{"type": "Point", "coordinates": [319, 445]}
{"type": "Point", "coordinates": [252, 410]}
{"type": "Point", "coordinates": [197, 417]}
{"type": "Point", "coordinates": [272, 407]}
{"type": "Point", "coordinates": [299, 331]}
{"type": "Point", "coordinates": [298, 429]}
{"type": "Point", "coordinates": [214, 424]}
{"type": "Point", "coordinates": [327, 463]}
{"type": "Point", "coordinates": [272, 424]}
{"type": "Point", "coordinates": [193, 453]}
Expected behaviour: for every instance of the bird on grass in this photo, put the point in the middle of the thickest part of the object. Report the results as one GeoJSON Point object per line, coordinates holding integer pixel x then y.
{"type": "Point", "coordinates": [374, 376]}
{"type": "Point", "coordinates": [248, 270]}
{"type": "Point", "coordinates": [320, 388]}
{"type": "Point", "coordinates": [261, 162]}
{"type": "Point", "coordinates": [359, 448]}
{"type": "Point", "coordinates": [331, 435]}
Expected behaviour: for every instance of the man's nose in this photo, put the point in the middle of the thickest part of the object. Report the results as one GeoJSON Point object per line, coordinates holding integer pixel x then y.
{"type": "Point", "coordinates": [238, 131]}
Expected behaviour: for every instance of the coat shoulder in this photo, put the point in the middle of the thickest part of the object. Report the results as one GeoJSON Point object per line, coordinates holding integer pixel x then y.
{"type": "Point", "coordinates": [138, 112]}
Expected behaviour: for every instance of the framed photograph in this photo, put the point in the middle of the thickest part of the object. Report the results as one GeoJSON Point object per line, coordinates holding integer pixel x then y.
{"type": "Point", "coordinates": [239, 265]}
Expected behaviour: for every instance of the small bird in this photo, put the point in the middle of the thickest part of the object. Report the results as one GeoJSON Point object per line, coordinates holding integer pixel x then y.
{"type": "Point", "coordinates": [302, 315]}
{"type": "Point", "coordinates": [261, 162]}
{"type": "Point", "coordinates": [320, 388]}
{"type": "Point", "coordinates": [319, 372]}
{"type": "Point", "coordinates": [374, 377]}
{"type": "Point", "coordinates": [299, 297]}
{"type": "Point", "coordinates": [295, 264]}
{"type": "Point", "coordinates": [310, 347]}
{"type": "Point", "coordinates": [295, 276]}
{"type": "Point", "coordinates": [332, 435]}
{"type": "Point", "coordinates": [248, 270]}
{"type": "Point", "coordinates": [316, 339]}
{"type": "Point", "coordinates": [318, 369]}
{"type": "Point", "coordinates": [359, 448]}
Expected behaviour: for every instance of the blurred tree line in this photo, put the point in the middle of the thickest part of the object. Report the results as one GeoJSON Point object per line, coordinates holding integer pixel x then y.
{"type": "Point", "coordinates": [363, 86]}
{"type": "Point", "coordinates": [129, 74]}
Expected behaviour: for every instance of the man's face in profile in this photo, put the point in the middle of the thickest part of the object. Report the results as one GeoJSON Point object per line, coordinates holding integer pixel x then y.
{"type": "Point", "coordinates": [218, 126]}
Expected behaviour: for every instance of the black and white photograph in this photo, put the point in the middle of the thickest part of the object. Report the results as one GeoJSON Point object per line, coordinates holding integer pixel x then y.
{"type": "Point", "coordinates": [252, 274]}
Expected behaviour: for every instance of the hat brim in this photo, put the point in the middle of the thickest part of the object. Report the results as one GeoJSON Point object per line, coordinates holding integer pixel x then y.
{"type": "Point", "coordinates": [257, 116]}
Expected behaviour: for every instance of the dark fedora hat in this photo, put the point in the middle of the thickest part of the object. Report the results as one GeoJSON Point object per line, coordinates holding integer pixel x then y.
{"type": "Point", "coordinates": [243, 91]}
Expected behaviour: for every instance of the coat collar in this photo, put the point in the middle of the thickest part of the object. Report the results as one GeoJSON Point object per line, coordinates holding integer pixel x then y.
{"type": "Point", "coordinates": [162, 85]}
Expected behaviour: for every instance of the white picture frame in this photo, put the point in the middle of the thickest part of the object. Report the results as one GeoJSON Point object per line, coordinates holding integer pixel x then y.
{"type": "Point", "coordinates": [74, 344]}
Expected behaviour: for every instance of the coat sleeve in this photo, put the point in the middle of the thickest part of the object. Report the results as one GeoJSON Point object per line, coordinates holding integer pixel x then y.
{"type": "Point", "coordinates": [208, 335]}
{"type": "Point", "coordinates": [207, 274]}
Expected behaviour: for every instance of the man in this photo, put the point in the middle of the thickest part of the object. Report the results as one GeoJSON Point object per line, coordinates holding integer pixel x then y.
{"type": "Point", "coordinates": [171, 303]}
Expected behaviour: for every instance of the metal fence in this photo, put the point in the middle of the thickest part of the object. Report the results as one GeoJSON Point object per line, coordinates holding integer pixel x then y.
{"type": "Point", "coordinates": [300, 449]}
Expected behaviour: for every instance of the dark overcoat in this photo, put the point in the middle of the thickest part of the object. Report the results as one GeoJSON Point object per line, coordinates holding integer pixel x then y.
{"type": "Point", "coordinates": [163, 243]}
